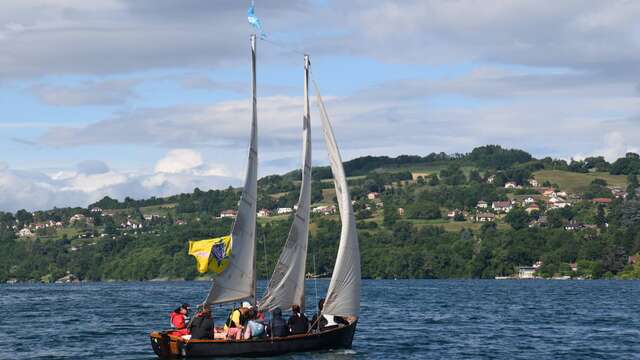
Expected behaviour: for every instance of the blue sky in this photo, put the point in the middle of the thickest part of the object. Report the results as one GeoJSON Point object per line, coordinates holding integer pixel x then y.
{"type": "Point", "coordinates": [142, 98]}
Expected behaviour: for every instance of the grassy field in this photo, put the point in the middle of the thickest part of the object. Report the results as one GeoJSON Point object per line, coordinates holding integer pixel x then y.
{"type": "Point", "coordinates": [577, 182]}
{"type": "Point", "coordinates": [162, 210]}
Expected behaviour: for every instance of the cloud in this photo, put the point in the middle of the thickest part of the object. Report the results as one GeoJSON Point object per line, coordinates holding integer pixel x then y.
{"type": "Point", "coordinates": [179, 160]}
{"type": "Point", "coordinates": [112, 92]}
{"type": "Point", "coordinates": [93, 180]}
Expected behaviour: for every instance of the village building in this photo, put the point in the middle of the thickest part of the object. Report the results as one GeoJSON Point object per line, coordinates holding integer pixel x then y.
{"type": "Point", "coordinates": [540, 222]}
{"type": "Point", "coordinates": [526, 272]}
{"type": "Point", "coordinates": [510, 185]}
{"type": "Point", "coordinates": [502, 206]}
{"type": "Point", "coordinates": [325, 210]}
{"type": "Point", "coordinates": [533, 183]}
{"type": "Point", "coordinates": [284, 210]}
{"type": "Point", "coordinates": [453, 213]}
{"type": "Point", "coordinates": [531, 208]}
{"type": "Point", "coordinates": [573, 225]}
{"type": "Point", "coordinates": [482, 204]}
{"type": "Point", "coordinates": [25, 233]}
{"type": "Point", "coordinates": [485, 217]}
{"type": "Point", "coordinates": [96, 210]}
{"type": "Point", "coordinates": [401, 211]}
{"type": "Point", "coordinates": [603, 201]}
{"type": "Point", "coordinates": [491, 179]}
{"type": "Point", "coordinates": [180, 222]}
{"type": "Point", "coordinates": [373, 195]}
{"type": "Point", "coordinates": [77, 218]}
{"type": "Point", "coordinates": [264, 213]}
{"type": "Point", "coordinates": [228, 213]}
{"type": "Point", "coordinates": [528, 200]}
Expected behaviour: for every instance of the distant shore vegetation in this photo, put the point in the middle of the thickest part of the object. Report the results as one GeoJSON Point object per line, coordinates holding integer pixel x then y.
{"type": "Point", "coordinates": [483, 214]}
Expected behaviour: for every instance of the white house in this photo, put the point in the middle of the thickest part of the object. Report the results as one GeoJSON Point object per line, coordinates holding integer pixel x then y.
{"type": "Point", "coordinates": [25, 233]}
{"type": "Point", "coordinates": [533, 183]}
{"type": "Point", "coordinates": [77, 217]}
{"type": "Point", "coordinates": [526, 272]}
{"type": "Point", "coordinates": [491, 179]}
{"type": "Point", "coordinates": [485, 217]}
{"type": "Point", "coordinates": [528, 200]}
{"type": "Point", "coordinates": [284, 210]}
{"type": "Point", "coordinates": [325, 209]}
{"type": "Point", "coordinates": [510, 185]}
{"type": "Point", "coordinates": [502, 206]}
{"type": "Point", "coordinates": [482, 204]}
{"type": "Point", "coordinates": [96, 210]}
{"type": "Point", "coordinates": [264, 213]}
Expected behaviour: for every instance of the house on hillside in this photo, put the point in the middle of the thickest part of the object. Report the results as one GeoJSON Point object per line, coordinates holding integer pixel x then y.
{"type": "Point", "coordinates": [528, 200]}
{"type": "Point", "coordinates": [284, 210]}
{"type": "Point", "coordinates": [502, 206]}
{"type": "Point", "coordinates": [25, 233]}
{"type": "Point", "coordinates": [264, 213]}
{"type": "Point", "coordinates": [77, 218]}
{"type": "Point", "coordinates": [373, 195]}
{"type": "Point", "coordinates": [228, 213]}
{"type": "Point", "coordinates": [325, 209]}
{"type": "Point", "coordinates": [485, 217]}
{"type": "Point", "coordinates": [549, 193]}
{"type": "Point", "coordinates": [573, 225]}
{"type": "Point", "coordinates": [603, 201]}
{"type": "Point", "coordinates": [510, 185]}
{"type": "Point", "coordinates": [482, 204]}
{"type": "Point", "coordinates": [491, 179]}
{"type": "Point", "coordinates": [540, 222]}
{"type": "Point", "coordinates": [96, 210]}
{"type": "Point", "coordinates": [533, 183]}
{"type": "Point", "coordinates": [453, 213]}
{"type": "Point", "coordinates": [401, 211]}
{"type": "Point", "coordinates": [531, 208]}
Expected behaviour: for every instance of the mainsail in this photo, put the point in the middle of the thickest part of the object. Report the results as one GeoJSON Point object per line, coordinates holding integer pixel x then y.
{"type": "Point", "coordinates": [238, 280]}
{"type": "Point", "coordinates": [286, 286]}
{"type": "Point", "coordinates": [343, 295]}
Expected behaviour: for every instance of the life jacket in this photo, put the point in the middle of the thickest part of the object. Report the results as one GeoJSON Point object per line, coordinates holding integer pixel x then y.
{"type": "Point", "coordinates": [230, 323]}
{"type": "Point", "coordinates": [177, 320]}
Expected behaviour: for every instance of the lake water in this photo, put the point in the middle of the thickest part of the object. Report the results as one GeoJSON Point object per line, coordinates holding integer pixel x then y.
{"type": "Point", "coordinates": [403, 319]}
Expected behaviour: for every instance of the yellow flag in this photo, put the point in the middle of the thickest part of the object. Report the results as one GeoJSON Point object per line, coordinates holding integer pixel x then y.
{"type": "Point", "coordinates": [203, 249]}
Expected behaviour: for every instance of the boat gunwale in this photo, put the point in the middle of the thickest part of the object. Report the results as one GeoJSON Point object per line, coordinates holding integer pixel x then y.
{"type": "Point", "coordinates": [159, 334]}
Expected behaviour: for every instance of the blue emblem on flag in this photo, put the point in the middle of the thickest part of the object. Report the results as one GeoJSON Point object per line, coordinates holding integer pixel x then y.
{"type": "Point", "coordinates": [219, 252]}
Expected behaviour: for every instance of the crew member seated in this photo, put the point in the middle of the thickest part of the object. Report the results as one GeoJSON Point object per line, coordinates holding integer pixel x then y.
{"type": "Point", "coordinates": [278, 326]}
{"type": "Point", "coordinates": [201, 326]}
{"type": "Point", "coordinates": [326, 321]}
{"type": "Point", "coordinates": [178, 318]}
{"type": "Point", "coordinates": [298, 322]}
{"type": "Point", "coordinates": [255, 327]}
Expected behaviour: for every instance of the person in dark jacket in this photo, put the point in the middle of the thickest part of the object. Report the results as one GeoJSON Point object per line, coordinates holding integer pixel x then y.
{"type": "Point", "coordinates": [202, 325]}
{"type": "Point", "coordinates": [298, 322]}
{"type": "Point", "coordinates": [278, 326]}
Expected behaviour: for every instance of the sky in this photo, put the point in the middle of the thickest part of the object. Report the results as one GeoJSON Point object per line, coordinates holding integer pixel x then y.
{"type": "Point", "coordinates": [152, 97]}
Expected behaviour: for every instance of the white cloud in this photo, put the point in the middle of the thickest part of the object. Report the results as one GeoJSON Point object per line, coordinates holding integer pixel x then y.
{"type": "Point", "coordinates": [179, 160]}
{"type": "Point", "coordinates": [43, 190]}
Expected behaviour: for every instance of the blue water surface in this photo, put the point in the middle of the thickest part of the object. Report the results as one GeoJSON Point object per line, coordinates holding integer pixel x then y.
{"type": "Point", "coordinates": [402, 319]}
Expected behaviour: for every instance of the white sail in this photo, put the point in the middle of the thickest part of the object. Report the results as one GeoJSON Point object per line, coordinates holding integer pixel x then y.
{"type": "Point", "coordinates": [286, 286]}
{"type": "Point", "coordinates": [237, 281]}
{"type": "Point", "coordinates": [343, 295]}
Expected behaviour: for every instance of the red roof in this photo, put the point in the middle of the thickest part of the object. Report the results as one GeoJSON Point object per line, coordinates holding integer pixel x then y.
{"type": "Point", "coordinates": [601, 200]}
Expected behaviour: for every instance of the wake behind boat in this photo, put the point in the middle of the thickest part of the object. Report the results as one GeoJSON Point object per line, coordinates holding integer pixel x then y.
{"type": "Point", "coordinates": [234, 258]}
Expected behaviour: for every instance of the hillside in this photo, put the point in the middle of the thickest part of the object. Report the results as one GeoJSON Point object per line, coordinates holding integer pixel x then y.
{"type": "Point", "coordinates": [480, 214]}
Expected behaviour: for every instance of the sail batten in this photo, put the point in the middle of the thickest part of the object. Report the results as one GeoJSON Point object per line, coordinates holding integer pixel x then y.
{"type": "Point", "coordinates": [238, 281]}
{"type": "Point", "coordinates": [286, 286]}
{"type": "Point", "coordinates": [343, 295]}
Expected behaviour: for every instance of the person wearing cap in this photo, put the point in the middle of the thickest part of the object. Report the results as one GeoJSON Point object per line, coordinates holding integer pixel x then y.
{"type": "Point", "coordinates": [237, 321]}
{"type": "Point", "coordinates": [178, 318]}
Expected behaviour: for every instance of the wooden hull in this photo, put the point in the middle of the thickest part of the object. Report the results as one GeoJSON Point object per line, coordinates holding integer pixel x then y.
{"type": "Point", "coordinates": [166, 346]}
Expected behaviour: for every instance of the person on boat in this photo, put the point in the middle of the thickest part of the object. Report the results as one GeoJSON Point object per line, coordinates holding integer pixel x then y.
{"type": "Point", "coordinates": [326, 321]}
{"type": "Point", "coordinates": [201, 326]}
{"type": "Point", "coordinates": [178, 319]}
{"type": "Point", "coordinates": [237, 320]}
{"type": "Point", "coordinates": [255, 328]}
{"type": "Point", "coordinates": [278, 327]}
{"type": "Point", "coordinates": [298, 322]}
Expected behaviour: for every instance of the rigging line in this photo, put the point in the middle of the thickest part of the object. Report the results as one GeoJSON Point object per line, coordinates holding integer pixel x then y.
{"type": "Point", "coordinates": [283, 46]}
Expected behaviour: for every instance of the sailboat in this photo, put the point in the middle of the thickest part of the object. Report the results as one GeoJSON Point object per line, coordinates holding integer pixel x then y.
{"type": "Point", "coordinates": [237, 282]}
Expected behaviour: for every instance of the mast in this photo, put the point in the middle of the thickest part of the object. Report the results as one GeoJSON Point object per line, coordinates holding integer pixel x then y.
{"type": "Point", "coordinates": [286, 286]}
{"type": "Point", "coordinates": [238, 280]}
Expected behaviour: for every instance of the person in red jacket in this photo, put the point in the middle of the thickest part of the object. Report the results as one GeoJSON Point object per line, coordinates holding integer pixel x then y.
{"type": "Point", "coordinates": [179, 320]}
